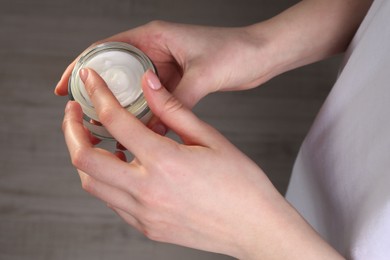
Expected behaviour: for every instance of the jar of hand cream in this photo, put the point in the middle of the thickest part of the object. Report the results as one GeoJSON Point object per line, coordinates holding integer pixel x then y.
{"type": "Point", "coordinates": [121, 66]}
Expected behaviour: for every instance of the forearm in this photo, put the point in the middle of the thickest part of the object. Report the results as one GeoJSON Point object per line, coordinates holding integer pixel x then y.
{"type": "Point", "coordinates": [288, 236]}
{"type": "Point", "coordinates": [307, 32]}
{"type": "Point", "coordinates": [273, 229]}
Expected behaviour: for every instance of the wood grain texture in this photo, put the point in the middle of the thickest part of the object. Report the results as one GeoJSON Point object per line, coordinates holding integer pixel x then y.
{"type": "Point", "coordinates": [44, 214]}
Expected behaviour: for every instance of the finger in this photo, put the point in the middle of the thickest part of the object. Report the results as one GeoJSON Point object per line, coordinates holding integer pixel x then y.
{"type": "Point", "coordinates": [128, 218]}
{"type": "Point", "coordinates": [157, 126]}
{"type": "Point", "coordinates": [62, 86]}
{"type": "Point", "coordinates": [190, 89]}
{"type": "Point", "coordinates": [123, 126]}
{"type": "Point", "coordinates": [121, 155]}
{"type": "Point", "coordinates": [98, 163]}
{"type": "Point", "coordinates": [175, 115]}
{"type": "Point", "coordinates": [73, 127]}
{"type": "Point", "coordinates": [119, 146]}
{"type": "Point", "coordinates": [187, 93]}
{"type": "Point", "coordinates": [109, 194]}
{"type": "Point", "coordinates": [93, 139]}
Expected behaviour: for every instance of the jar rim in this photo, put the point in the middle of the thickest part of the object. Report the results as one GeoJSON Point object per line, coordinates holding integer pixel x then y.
{"type": "Point", "coordinates": [138, 107]}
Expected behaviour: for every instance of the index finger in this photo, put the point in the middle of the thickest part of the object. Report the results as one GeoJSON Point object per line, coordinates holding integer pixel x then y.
{"type": "Point", "coordinates": [97, 163]}
{"type": "Point", "coordinates": [122, 125]}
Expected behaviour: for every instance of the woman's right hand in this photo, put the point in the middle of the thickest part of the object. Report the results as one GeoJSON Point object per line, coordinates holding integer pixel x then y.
{"type": "Point", "coordinates": [193, 61]}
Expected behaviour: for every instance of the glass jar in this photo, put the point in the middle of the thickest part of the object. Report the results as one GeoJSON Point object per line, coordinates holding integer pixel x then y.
{"type": "Point", "coordinates": [114, 62]}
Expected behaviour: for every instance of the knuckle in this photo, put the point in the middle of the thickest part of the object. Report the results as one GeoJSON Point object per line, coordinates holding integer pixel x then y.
{"type": "Point", "coordinates": [158, 24]}
{"type": "Point", "coordinates": [154, 198]}
{"type": "Point", "coordinates": [87, 184]}
{"type": "Point", "coordinates": [158, 32]}
{"type": "Point", "coordinates": [171, 105]}
{"type": "Point", "coordinates": [150, 220]}
{"type": "Point", "coordinates": [152, 235]}
{"type": "Point", "coordinates": [148, 197]}
{"type": "Point", "coordinates": [95, 44]}
{"type": "Point", "coordinates": [80, 158]}
{"type": "Point", "coordinates": [91, 87]}
{"type": "Point", "coordinates": [166, 162]}
{"type": "Point", "coordinates": [106, 115]}
{"type": "Point", "coordinates": [153, 227]}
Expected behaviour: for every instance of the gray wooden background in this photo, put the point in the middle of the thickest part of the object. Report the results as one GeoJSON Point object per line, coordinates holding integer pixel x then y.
{"type": "Point", "coordinates": [44, 213]}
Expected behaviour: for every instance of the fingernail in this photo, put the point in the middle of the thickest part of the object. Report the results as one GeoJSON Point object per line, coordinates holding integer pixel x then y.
{"type": "Point", "coordinates": [153, 81]}
{"type": "Point", "coordinates": [119, 146]}
{"type": "Point", "coordinates": [83, 74]}
{"type": "Point", "coordinates": [56, 87]}
{"type": "Point", "coordinates": [159, 129]}
{"type": "Point", "coordinates": [121, 155]}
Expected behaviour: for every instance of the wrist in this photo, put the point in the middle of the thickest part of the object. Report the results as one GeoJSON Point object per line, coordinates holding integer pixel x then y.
{"type": "Point", "coordinates": [279, 47]}
{"type": "Point", "coordinates": [281, 233]}
{"type": "Point", "coordinates": [268, 227]}
{"type": "Point", "coordinates": [307, 32]}
{"type": "Point", "coordinates": [267, 51]}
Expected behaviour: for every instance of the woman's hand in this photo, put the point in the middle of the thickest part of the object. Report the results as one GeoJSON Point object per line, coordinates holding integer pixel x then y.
{"type": "Point", "coordinates": [203, 194]}
{"type": "Point", "coordinates": [193, 61]}
{"type": "Point", "coordinates": [194, 194]}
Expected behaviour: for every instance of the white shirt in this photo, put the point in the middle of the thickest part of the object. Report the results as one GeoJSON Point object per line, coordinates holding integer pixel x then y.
{"type": "Point", "coordinates": [341, 178]}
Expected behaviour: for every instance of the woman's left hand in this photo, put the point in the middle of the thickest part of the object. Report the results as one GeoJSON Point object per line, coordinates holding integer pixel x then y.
{"type": "Point", "coordinates": [203, 194]}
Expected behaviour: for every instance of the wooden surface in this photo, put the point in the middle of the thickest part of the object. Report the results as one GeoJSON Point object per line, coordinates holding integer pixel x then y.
{"type": "Point", "coordinates": [44, 213]}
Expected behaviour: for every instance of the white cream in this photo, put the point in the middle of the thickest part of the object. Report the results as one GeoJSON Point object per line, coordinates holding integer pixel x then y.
{"type": "Point", "coordinates": [122, 73]}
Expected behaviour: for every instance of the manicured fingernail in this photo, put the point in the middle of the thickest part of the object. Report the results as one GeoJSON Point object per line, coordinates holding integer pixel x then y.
{"type": "Point", "coordinates": [83, 74]}
{"type": "Point", "coordinates": [119, 146]}
{"type": "Point", "coordinates": [121, 155]}
{"type": "Point", "coordinates": [159, 129]}
{"type": "Point", "coordinates": [152, 80]}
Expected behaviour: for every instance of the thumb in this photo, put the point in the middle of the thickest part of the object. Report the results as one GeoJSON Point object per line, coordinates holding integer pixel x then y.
{"type": "Point", "coordinates": [175, 114]}
{"type": "Point", "coordinates": [189, 91]}
{"type": "Point", "coordinates": [191, 88]}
